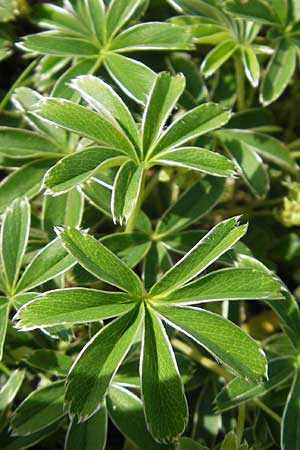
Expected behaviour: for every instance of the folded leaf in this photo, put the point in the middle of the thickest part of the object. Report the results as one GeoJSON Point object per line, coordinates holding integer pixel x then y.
{"type": "Point", "coordinates": [100, 261]}
{"type": "Point", "coordinates": [197, 158]}
{"type": "Point", "coordinates": [133, 77]}
{"type": "Point", "coordinates": [51, 261]}
{"type": "Point", "coordinates": [73, 305]}
{"type": "Point", "coordinates": [55, 43]}
{"type": "Point", "coordinates": [127, 414]}
{"type": "Point", "coordinates": [153, 36]}
{"type": "Point", "coordinates": [104, 99]}
{"type": "Point", "coordinates": [85, 122]}
{"type": "Point", "coordinates": [218, 56]}
{"type": "Point", "coordinates": [194, 123]}
{"type": "Point", "coordinates": [191, 205]}
{"type": "Point", "coordinates": [220, 239]}
{"type": "Point", "coordinates": [251, 65]}
{"type": "Point", "coordinates": [279, 72]}
{"type": "Point", "coordinates": [223, 339]}
{"type": "Point", "coordinates": [79, 166]}
{"type": "Point", "coordinates": [228, 284]}
{"type": "Point", "coordinates": [17, 143]}
{"type": "Point", "coordinates": [93, 370]}
{"type": "Point", "coordinates": [10, 389]}
{"type": "Point", "coordinates": [126, 190]}
{"type": "Point", "coordinates": [40, 409]}
{"type": "Point", "coordinates": [162, 390]}
{"type": "Point", "coordinates": [164, 95]}
{"type": "Point", "coordinates": [14, 238]}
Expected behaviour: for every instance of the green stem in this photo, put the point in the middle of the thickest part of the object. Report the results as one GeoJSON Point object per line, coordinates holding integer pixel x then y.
{"type": "Point", "coordinates": [240, 83]}
{"type": "Point", "coordinates": [17, 83]}
{"type": "Point", "coordinates": [268, 410]}
{"type": "Point", "coordinates": [134, 215]}
{"type": "Point", "coordinates": [4, 369]}
{"type": "Point", "coordinates": [241, 423]}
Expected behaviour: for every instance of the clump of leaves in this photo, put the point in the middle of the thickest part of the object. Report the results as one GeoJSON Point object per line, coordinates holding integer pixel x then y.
{"type": "Point", "coordinates": [149, 248]}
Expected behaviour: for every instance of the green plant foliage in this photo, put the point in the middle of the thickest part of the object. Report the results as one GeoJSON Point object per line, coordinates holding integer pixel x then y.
{"type": "Point", "coordinates": [149, 230]}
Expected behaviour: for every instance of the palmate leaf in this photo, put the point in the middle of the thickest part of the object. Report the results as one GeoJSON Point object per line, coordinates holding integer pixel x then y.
{"type": "Point", "coordinates": [162, 388]}
{"type": "Point", "coordinates": [223, 339]}
{"type": "Point", "coordinates": [14, 237]}
{"type": "Point", "coordinates": [50, 261]}
{"type": "Point", "coordinates": [100, 261]}
{"type": "Point", "coordinates": [88, 381]}
{"type": "Point", "coordinates": [120, 12]}
{"type": "Point", "coordinates": [194, 123]}
{"type": "Point", "coordinates": [227, 284]}
{"type": "Point", "coordinates": [220, 239]}
{"type": "Point", "coordinates": [73, 305]}
{"type": "Point", "coordinates": [79, 166]}
{"type": "Point", "coordinates": [80, 120]}
{"type": "Point", "coordinates": [163, 97]}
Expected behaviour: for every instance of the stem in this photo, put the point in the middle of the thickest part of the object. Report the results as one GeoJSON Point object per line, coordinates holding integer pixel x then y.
{"type": "Point", "coordinates": [17, 83]}
{"type": "Point", "coordinates": [4, 369]}
{"type": "Point", "coordinates": [241, 423]}
{"type": "Point", "coordinates": [240, 83]}
{"type": "Point", "coordinates": [134, 215]}
{"type": "Point", "coordinates": [268, 410]}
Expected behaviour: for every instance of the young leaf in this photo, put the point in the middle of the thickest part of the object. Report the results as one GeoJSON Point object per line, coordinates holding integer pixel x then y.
{"type": "Point", "coordinates": [251, 65]}
{"type": "Point", "coordinates": [93, 370]}
{"type": "Point", "coordinates": [223, 339]}
{"type": "Point", "coordinates": [217, 57]}
{"type": "Point", "coordinates": [162, 390]}
{"type": "Point", "coordinates": [165, 93]}
{"type": "Point", "coordinates": [73, 305]}
{"type": "Point", "coordinates": [127, 413]}
{"type": "Point", "coordinates": [191, 205]}
{"type": "Point", "coordinates": [11, 388]}
{"type": "Point", "coordinates": [279, 72]}
{"type": "Point", "coordinates": [100, 261]}
{"type": "Point", "coordinates": [196, 158]}
{"type": "Point", "coordinates": [79, 166]}
{"type": "Point", "coordinates": [14, 237]}
{"type": "Point", "coordinates": [153, 36]}
{"type": "Point", "coordinates": [220, 239]}
{"type": "Point", "coordinates": [84, 122]}
{"type": "Point", "coordinates": [40, 409]}
{"type": "Point", "coordinates": [90, 435]}
{"type": "Point", "coordinates": [4, 317]}
{"type": "Point", "coordinates": [104, 99]}
{"type": "Point", "coordinates": [194, 123]}
{"type": "Point", "coordinates": [133, 77]}
{"type": "Point", "coordinates": [126, 191]}
{"type": "Point", "coordinates": [50, 261]}
{"type": "Point", "coordinates": [228, 284]}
